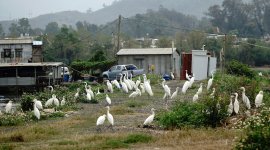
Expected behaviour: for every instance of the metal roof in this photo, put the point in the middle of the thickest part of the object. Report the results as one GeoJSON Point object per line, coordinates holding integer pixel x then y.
{"type": "Point", "coordinates": [37, 42]}
{"type": "Point", "coordinates": [31, 64]}
{"type": "Point", "coordinates": [147, 51]}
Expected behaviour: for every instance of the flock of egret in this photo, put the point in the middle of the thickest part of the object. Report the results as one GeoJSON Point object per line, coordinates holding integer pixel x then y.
{"type": "Point", "coordinates": [139, 87]}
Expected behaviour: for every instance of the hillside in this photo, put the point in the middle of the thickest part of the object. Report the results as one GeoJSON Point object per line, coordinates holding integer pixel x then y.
{"type": "Point", "coordinates": [126, 8]}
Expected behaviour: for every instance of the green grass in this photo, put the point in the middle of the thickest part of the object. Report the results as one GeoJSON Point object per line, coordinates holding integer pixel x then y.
{"type": "Point", "coordinates": [135, 104]}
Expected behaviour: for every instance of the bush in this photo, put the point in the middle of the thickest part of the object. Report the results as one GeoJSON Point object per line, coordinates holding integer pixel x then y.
{"type": "Point", "coordinates": [239, 69]}
{"type": "Point", "coordinates": [257, 130]}
{"type": "Point", "coordinates": [27, 102]}
{"type": "Point", "coordinates": [14, 119]}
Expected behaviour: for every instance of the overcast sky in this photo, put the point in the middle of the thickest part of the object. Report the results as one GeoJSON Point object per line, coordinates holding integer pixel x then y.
{"type": "Point", "coordinates": [15, 9]}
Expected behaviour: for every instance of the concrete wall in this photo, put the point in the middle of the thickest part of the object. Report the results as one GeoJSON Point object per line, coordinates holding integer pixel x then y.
{"type": "Point", "coordinates": [26, 53]}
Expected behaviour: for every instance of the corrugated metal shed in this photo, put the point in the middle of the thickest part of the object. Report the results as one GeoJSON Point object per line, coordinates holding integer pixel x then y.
{"type": "Point", "coordinates": [30, 64]}
{"type": "Point", "coordinates": [146, 51]}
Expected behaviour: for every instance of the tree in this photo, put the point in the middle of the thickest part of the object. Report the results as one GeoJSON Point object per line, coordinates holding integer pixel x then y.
{"type": "Point", "coordinates": [52, 28]}
{"type": "Point", "coordinates": [164, 42]}
{"type": "Point", "coordinates": [24, 26]}
{"type": "Point", "coordinates": [14, 30]}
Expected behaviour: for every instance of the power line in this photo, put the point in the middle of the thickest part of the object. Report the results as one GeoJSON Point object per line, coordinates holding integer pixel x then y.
{"type": "Point", "coordinates": [255, 45]}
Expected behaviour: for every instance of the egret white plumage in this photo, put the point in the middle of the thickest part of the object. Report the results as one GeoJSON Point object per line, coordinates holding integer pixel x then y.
{"type": "Point", "coordinates": [187, 76]}
{"type": "Point", "coordinates": [210, 82]}
{"type": "Point", "coordinates": [100, 121]}
{"type": "Point", "coordinates": [260, 74]}
{"type": "Point", "coordinates": [259, 99]}
{"type": "Point", "coordinates": [135, 93]}
{"type": "Point", "coordinates": [147, 85]}
{"type": "Point", "coordinates": [230, 107]}
{"type": "Point", "coordinates": [98, 92]}
{"type": "Point", "coordinates": [175, 93]}
{"type": "Point", "coordinates": [77, 93]}
{"type": "Point", "coordinates": [108, 99]}
{"type": "Point", "coordinates": [36, 111]}
{"type": "Point", "coordinates": [88, 97]}
{"type": "Point", "coordinates": [166, 88]}
{"type": "Point", "coordinates": [110, 117]}
{"type": "Point", "coordinates": [200, 89]}
{"type": "Point", "coordinates": [236, 104]}
{"type": "Point", "coordinates": [8, 106]}
{"type": "Point", "coordinates": [195, 97]}
{"type": "Point", "coordinates": [109, 86]}
{"type": "Point", "coordinates": [245, 98]}
{"type": "Point", "coordinates": [52, 101]}
{"type": "Point", "coordinates": [38, 104]}
{"type": "Point", "coordinates": [172, 76]}
{"type": "Point", "coordinates": [127, 81]}
{"type": "Point", "coordinates": [185, 87]}
{"type": "Point", "coordinates": [51, 88]}
{"type": "Point", "coordinates": [138, 82]}
{"type": "Point", "coordinates": [150, 119]}
{"type": "Point", "coordinates": [116, 83]}
{"type": "Point", "coordinates": [123, 84]}
{"type": "Point", "coordinates": [192, 80]}
{"type": "Point", "coordinates": [63, 101]}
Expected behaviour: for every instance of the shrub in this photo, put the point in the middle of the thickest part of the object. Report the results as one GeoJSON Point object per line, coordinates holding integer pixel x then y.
{"type": "Point", "coordinates": [236, 68]}
{"type": "Point", "coordinates": [257, 130]}
{"type": "Point", "coordinates": [27, 102]}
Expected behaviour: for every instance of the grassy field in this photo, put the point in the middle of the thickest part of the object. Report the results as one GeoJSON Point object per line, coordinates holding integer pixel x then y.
{"type": "Point", "coordinates": [78, 130]}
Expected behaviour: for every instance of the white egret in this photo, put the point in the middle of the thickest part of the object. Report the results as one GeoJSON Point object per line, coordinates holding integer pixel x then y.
{"type": "Point", "coordinates": [245, 98]}
{"type": "Point", "coordinates": [142, 88]}
{"type": "Point", "coordinates": [109, 86]}
{"type": "Point", "coordinates": [147, 85]}
{"type": "Point", "coordinates": [187, 76]}
{"type": "Point", "coordinates": [38, 104]}
{"type": "Point", "coordinates": [192, 80]}
{"type": "Point", "coordinates": [98, 92]}
{"type": "Point", "coordinates": [259, 99]}
{"type": "Point", "coordinates": [108, 99]}
{"type": "Point", "coordinates": [91, 92]}
{"type": "Point", "coordinates": [185, 87]}
{"type": "Point", "coordinates": [150, 119]}
{"type": "Point", "coordinates": [88, 96]}
{"type": "Point", "coordinates": [172, 76]}
{"type": "Point", "coordinates": [123, 84]}
{"type": "Point", "coordinates": [110, 117]}
{"type": "Point", "coordinates": [63, 101]}
{"type": "Point", "coordinates": [138, 82]}
{"type": "Point", "coordinates": [9, 106]}
{"type": "Point", "coordinates": [49, 102]}
{"type": "Point", "coordinates": [236, 104]}
{"type": "Point", "coordinates": [127, 82]}
{"type": "Point", "coordinates": [135, 93]}
{"type": "Point", "coordinates": [100, 121]}
{"type": "Point", "coordinates": [55, 100]}
{"type": "Point", "coordinates": [36, 111]}
{"type": "Point", "coordinates": [166, 88]}
{"type": "Point", "coordinates": [195, 97]}
{"type": "Point", "coordinates": [77, 93]}
{"type": "Point", "coordinates": [200, 89]}
{"type": "Point", "coordinates": [175, 93]}
{"type": "Point", "coordinates": [116, 83]}
{"type": "Point", "coordinates": [51, 88]}
{"type": "Point", "coordinates": [260, 74]}
{"type": "Point", "coordinates": [210, 82]}
{"type": "Point", "coordinates": [230, 107]}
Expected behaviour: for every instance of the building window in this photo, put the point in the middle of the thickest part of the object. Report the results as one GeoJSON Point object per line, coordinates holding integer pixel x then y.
{"type": "Point", "coordinates": [18, 53]}
{"type": "Point", "coordinates": [7, 53]}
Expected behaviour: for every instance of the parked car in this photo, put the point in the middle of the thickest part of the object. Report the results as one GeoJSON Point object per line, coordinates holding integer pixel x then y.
{"type": "Point", "coordinates": [3, 99]}
{"type": "Point", "coordinates": [115, 71]}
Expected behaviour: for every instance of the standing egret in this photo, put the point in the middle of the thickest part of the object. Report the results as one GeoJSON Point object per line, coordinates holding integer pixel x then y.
{"type": "Point", "coordinates": [147, 85]}
{"type": "Point", "coordinates": [260, 74]}
{"type": "Point", "coordinates": [127, 82]}
{"type": "Point", "coordinates": [116, 83]}
{"type": "Point", "coordinates": [245, 98]}
{"type": "Point", "coordinates": [36, 111]}
{"type": "Point", "coordinates": [109, 86]}
{"type": "Point", "coordinates": [185, 87]}
{"type": "Point", "coordinates": [259, 99]}
{"type": "Point", "coordinates": [236, 104]}
{"type": "Point", "coordinates": [200, 89]}
{"type": "Point", "coordinates": [98, 92]}
{"type": "Point", "coordinates": [230, 107]}
{"type": "Point", "coordinates": [195, 97]}
{"type": "Point", "coordinates": [38, 104]}
{"type": "Point", "coordinates": [192, 80]}
{"type": "Point", "coordinates": [110, 117]}
{"type": "Point", "coordinates": [51, 88]}
{"type": "Point", "coordinates": [55, 100]}
{"type": "Point", "coordinates": [100, 121]}
{"type": "Point", "coordinates": [63, 101]}
{"type": "Point", "coordinates": [88, 96]}
{"type": "Point", "coordinates": [49, 102]}
{"type": "Point", "coordinates": [108, 99]}
{"type": "Point", "coordinates": [8, 107]}
{"type": "Point", "coordinates": [175, 93]}
{"type": "Point", "coordinates": [135, 93]}
{"type": "Point", "coordinates": [77, 94]}
{"type": "Point", "coordinates": [138, 82]}
{"type": "Point", "coordinates": [210, 82]}
{"type": "Point", "coordinates": [123, 84]}
{"type": "Point", "coordinates": [150, 119]}
{"type": "Point", "coordinates": [172, 76]}
{"type": "Point", "coordinates": [187, 76]}
{"type": "Point", "coordinates": [166, 88]}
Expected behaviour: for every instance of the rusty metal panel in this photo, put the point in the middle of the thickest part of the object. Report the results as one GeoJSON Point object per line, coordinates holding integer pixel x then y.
{"type": "Point", "coordinates": [185, 65]}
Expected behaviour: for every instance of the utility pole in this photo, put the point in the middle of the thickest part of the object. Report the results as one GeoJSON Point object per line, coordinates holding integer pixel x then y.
{"type": "Point", "coordinates": [118, 35]}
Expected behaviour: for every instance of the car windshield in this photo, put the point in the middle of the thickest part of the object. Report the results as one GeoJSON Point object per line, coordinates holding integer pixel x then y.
{"type": "Point", "coordinates": [131, 67]}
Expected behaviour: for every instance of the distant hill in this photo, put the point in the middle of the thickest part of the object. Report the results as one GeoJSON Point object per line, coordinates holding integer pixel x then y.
{"type": "Point", "coordinates": [126, 8]}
